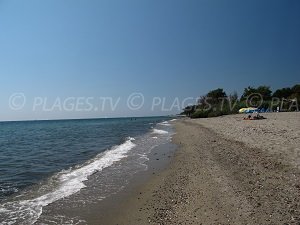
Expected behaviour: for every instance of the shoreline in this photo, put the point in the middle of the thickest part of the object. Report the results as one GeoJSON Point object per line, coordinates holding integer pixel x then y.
{"type": "Point", "coordinates": [66, 211]}
{"type": "Point", "coordinates": [108, 210]}
{"type": "Point", "coordinates": [77, 194]}
{"type": "Point", "coordinates": [216, 179]}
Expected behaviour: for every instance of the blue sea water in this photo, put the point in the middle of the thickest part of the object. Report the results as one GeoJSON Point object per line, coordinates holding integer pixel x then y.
{"type": "Point", "coordinates": [44, 161]}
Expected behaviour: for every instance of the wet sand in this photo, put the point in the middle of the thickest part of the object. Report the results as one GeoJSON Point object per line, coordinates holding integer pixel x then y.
{"type": "Point", "coordinates": [105, 211]}
{"type": "Point", "coordinates": [225, 171]}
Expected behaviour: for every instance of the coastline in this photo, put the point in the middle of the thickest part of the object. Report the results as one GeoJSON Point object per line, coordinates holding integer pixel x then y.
{"type": "Point", "coordinates": [114, 208]}
{"type": "Point", "coordinates": [215, 178]}
{"type": "Point", "coordinates": [103, 211]}
{"type": "Point", "coordinates": [76, 194]}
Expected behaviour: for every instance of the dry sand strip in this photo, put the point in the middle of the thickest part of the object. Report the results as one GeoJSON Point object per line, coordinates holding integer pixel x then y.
{"type": "Point", "coordinates": [278, 135]}
{"type": "Point", "coordinates": [215, 180]}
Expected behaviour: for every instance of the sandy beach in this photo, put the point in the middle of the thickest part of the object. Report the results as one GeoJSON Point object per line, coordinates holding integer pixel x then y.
{"type": "Point", "coordinates": [225, 171]}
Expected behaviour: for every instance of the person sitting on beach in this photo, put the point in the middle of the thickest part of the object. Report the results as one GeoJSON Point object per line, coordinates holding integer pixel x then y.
{"type": "Point", "coordinates": [258, 117]}
{"type": "Point", "coordinates": [248, 117]}
{"type": "Point", "coordinates": [255, 116]}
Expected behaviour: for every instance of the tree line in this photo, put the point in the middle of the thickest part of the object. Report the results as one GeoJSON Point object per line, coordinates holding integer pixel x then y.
{"type": "Point", "coordinates": [217, 102]}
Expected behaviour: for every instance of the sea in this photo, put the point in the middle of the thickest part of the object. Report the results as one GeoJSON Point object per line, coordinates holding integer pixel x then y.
{"type": "Point", "coordinates": [70, 163]}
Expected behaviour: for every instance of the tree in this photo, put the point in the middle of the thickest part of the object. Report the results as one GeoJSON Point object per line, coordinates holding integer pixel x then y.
{"type": "Point", "coordinates": [283, 93]}
{"type": "Point", "coordinates": [296, 89]}
{"type": "Point", "coordinates": [202, 101]}
{"type": "Point", "coordinates": [247, 92]}
{"type": "Point", "coordinates": [216, 94]}
{"type": "Point", "coordinates": [296, 92]}
{"type": "Point", "coordinates": [189, 110]}
{"type": "Point", "coordinates": [265, 92]}
{"type": "Point", "coordinates": [234, 96]}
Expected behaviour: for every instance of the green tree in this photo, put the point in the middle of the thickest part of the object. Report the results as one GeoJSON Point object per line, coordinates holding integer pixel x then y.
{"type": "Point", "coordinates": [189, 110]}
{"type": "Point", "coordinates": [234, 96]}
{"type": "Point", "coordinates": [265, 92]}
{"type": "Point", "coordinates": [215, 96]}
{"type": "Point", "coordinates": [283, 93]}
{"type": "Point", "coordinates": [295, 92]}
{"type": "Point", "coordinates": [247, 92]}
{"type": "Point", "coordinates": [296, 89]}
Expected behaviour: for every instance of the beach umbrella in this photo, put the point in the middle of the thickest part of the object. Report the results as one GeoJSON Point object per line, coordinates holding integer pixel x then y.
{"type": "Point", "coordinates": [248, 110]}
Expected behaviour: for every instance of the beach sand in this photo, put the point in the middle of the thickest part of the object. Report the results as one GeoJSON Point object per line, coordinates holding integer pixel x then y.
{"type": "Point", "coordinates": [225, 171]}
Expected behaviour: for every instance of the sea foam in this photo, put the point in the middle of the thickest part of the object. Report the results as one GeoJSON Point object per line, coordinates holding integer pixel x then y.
{"type": "Point", "coordinates": [28, 211]}
{"type": "Point", "coordinates": [165, 123]}
{"type": "Point", "coordinates": [157, 131]}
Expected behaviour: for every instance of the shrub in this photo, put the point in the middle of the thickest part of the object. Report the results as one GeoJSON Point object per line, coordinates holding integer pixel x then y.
{"type": "Point", "coordinates": [200, 114]}
{"type": "Point", "coordinates": [215, 114]}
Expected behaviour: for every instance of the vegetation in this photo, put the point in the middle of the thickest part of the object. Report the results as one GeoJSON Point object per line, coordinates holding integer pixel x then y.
{"type": "Point", "coordinates": [217, 102]}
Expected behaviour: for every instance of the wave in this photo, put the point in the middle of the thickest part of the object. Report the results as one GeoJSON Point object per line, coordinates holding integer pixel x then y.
{"type": "Point", "coordinates": [166, 123]}
{"type": "Point", "coordinates": [28, 211]}
{"type": "Point", "coordinates": [157, 131]}
{"type": "Point", "coordinates": [8, 189]}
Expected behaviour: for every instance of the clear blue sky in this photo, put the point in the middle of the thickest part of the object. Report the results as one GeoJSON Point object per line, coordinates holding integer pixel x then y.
{"type": "Point", "coordinates": [166, 48]}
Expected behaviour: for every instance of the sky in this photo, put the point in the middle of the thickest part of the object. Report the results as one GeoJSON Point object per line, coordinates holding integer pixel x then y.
{"type": "Point", "coordinates": [108, 58]}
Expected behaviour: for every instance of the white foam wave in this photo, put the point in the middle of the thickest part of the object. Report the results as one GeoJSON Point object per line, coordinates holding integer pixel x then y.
{"type": "Point", "coordinates": [165, 124]}
{"type": "Point", "coordinates": [157, 131]}
{"type": "Point", "coordinates": [28, 211]}
{"type": "Point", "coordinates": [173, 120]}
